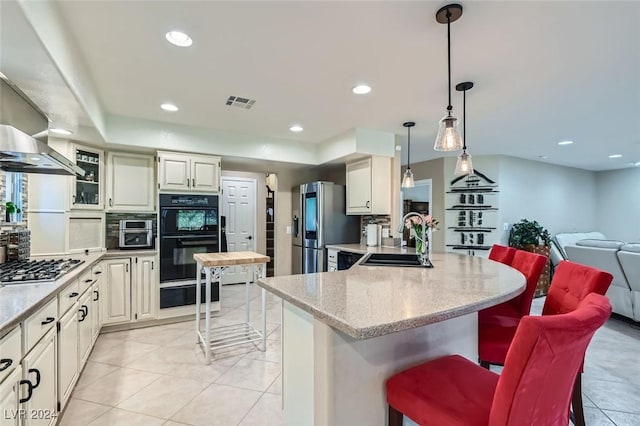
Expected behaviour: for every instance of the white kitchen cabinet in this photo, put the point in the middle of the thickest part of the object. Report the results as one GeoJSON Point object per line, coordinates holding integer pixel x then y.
{"type": "Point", "coordinates": [332, 260]}
{"type": "Point", "coordinates": [87, 190]}
{"type": "Point", "coordinates": [130, 182]}
{"type": "Point", "coordinates": [95, 309]}
{"type": "Point", "coordinates": [68, 365]}
{"type": "Point", "coordinates": [10, 352]}
{"type": "Point", "coordinates": [131, 290]}
{"type": "Point", "coordinates": [188, 172]}
{"type": "Point", "coordinates": [147, 293]}
{"type": "Point", "coordinates": [99, 292]}
{"type": "Point", "coordinates": [116, 302]}
{"type": "Point", "coordinates": [40, 394]}
{"type": "Point", "coordinates": [9, 399]}
{"type": "Point", "coordinates": [369, 186]}
{"type": "Point", "coordinates": [85, 331]}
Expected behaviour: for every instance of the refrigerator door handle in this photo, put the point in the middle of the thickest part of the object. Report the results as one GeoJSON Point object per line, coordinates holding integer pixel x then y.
{"type": "Point", "coordinates": [296, 221]}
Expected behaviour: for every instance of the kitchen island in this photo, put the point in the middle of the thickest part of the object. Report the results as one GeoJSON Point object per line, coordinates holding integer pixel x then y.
{"type": "Point", "coordinates": [345, 332]}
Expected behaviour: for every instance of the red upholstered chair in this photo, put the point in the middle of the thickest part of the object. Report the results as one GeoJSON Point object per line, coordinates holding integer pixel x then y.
{"type": "Point", "coordinates": [571, 283]}
{"type": "Point", "coordinates": [534, 388]}
{"type": "Point", "coordinates": [496, 325]}
{"type": "Point", "coordinates": [502, 254]}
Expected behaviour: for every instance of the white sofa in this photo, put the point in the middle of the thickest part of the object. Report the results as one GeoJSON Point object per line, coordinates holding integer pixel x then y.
{"type": "Point", "coordinates": [603, 254]}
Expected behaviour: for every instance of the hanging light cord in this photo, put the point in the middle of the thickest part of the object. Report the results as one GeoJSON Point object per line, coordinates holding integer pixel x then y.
{"type": "Point", "coordinates": [464, 121]}
{"type": "Point", "coordinates": [449, 107]}
{"type": "Point", "coordinates": [408, 147]}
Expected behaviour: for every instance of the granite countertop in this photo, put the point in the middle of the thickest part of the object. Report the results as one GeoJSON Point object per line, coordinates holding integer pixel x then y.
{"type": "Point", "coordinates": [370, 301]}
{"type": "Point", "coordinates": [364, 249]}
{"type": "Point", "coordinates": [18, 301]}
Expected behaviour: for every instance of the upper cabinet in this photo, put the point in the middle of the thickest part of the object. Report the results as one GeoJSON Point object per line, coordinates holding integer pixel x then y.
{"type": "Point", "coordinates": [130, 182]}
{"type": "Point", "coordinates": [188, 172]}
{"type": "Point", "coordinates": [369, 186]}
{"type": "Point", "coordinates": [87, 192]}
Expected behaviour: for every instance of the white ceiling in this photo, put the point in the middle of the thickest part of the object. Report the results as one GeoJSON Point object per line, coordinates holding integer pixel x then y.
{"type": "Point", "coordinates": [543, 71]}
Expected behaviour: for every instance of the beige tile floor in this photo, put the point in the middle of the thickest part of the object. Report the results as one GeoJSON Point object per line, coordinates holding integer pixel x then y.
{"type": "Point", "coordinates": [156, 376]}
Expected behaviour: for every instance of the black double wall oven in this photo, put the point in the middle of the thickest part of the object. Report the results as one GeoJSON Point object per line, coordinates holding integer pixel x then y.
{"type": "Point", "coordinates": [189, 224]}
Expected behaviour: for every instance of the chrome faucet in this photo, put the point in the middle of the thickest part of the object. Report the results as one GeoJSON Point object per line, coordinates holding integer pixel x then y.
{"type": "Point", "coordinates": [424, 259]}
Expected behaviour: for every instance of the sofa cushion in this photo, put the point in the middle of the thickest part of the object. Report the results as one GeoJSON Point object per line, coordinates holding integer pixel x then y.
{"type": "Point", "coordinates": [571, 238]}
{"type": "Point", "coordinates": [632, 247]}
{"type": "Point", "coordinates": [609, 244]}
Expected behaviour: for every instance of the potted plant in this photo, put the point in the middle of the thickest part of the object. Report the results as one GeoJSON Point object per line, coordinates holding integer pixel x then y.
{"type": "Point", "coordinates": [531, 236]}
{"type": "Point", "coordinates": [11, 208]}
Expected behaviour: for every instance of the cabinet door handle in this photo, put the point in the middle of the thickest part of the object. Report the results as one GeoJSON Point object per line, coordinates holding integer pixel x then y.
{"type": "Point", "coordinates": [98, 272]}
{"type": "Point", "coordinates": [110, 202]}
{"type": "Point", "coordinates": [188, 183]}
{"type": "Point", "coordinates": [29, 390]}
{"type": "Point", "coordinates": [97, 293]}
{"type": "Point", "coordinates": [193, 183]}
{"type": "Point", "coordinates": [74, 294]}
{"type": "Point", "coordinates": [49, 320]}
{"type": "Point", "coordinates": [368, 203]}
{"type": "Point", "coordinates": [38, 377]}
{"type": "Point", "coordinates": [152, 265]}
{"type": "Point", "coordinates": [73, 199]}
{"type": "Point", "coordinates": [5, 363]}
{"type": "Point", "coordinates": [88, 281]}
{"type": "Point", "coordinates": [84, 311]}
{"type": "Point", "coordinates": [126, 267]}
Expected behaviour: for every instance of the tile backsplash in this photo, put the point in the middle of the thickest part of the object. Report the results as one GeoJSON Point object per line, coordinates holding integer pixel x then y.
{"type": "Point", "coordinates": [113, 225]}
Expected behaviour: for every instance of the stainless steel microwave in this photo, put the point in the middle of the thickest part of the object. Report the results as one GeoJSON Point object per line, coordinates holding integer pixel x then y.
{"type": "Point", "coordinates": [136, 234]}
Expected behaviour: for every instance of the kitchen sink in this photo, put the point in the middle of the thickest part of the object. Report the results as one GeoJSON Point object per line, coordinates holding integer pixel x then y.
{"type": "Point", "coordinates": [393, 259]}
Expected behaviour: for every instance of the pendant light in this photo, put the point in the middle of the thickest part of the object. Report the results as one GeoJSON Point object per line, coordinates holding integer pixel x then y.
{"type": "Point", "coordinates": [407, 180]}
{"type": "Point", "coordinates": [448, 138]}
{"type": "Point", "coordinates": [464, 166]}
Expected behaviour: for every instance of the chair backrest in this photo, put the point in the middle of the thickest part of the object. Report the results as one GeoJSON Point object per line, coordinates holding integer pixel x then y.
{"type": "Point", "coordinates": [502, 254]}
{"type": "Point", "coordinates": [531, 266]}
{"type": "Point", "coordinates": [571, 283]}
{"type": "Point", "coordinates": [536, 384]}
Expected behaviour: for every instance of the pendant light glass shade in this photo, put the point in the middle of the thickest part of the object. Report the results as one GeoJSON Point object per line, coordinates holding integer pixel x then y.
{"type": "Point", "coordinates": [464, 166]}
{"type": "Point", "coordinates": [449, 138]}
{"type": "Point", "coordinates": [407, 179]}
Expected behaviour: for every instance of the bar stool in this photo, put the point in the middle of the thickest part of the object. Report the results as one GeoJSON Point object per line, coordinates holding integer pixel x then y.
{"type": "Point", "coordinates": [497, 324]}
{"type": "Point", "coordinates": [534, 388]}
{"type": "Point", "coordinates": [502, 254]}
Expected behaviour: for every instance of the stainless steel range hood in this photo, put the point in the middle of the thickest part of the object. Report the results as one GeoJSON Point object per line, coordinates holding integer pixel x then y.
{"type": "Point", "coordinates": [23, 137]}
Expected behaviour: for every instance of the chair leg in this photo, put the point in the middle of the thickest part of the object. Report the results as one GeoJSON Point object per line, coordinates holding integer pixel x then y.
{"type": "Point", "coordinates": [576, 402]}
{"type": "Point", "coordinates": [485, 364]}
{"type": "Point", "coordinates": [395, 417]}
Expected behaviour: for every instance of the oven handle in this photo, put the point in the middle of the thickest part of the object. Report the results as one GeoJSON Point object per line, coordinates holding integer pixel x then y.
{"type": "Point", "coordinates": [188, 237]}
{"type": "Point", "coordinates": [197, 243]}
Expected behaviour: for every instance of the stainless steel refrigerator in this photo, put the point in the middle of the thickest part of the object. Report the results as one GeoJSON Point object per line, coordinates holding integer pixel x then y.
{"type": "Point", "coordinates": [319, 219]}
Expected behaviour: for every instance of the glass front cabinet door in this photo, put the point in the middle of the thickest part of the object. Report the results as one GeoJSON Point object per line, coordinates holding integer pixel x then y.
{"type": "Point", "coordinates": [87, 190]}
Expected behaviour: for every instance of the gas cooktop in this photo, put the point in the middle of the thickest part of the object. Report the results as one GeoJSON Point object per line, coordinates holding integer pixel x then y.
{"type": "Point", "coordinates": [30, 271]}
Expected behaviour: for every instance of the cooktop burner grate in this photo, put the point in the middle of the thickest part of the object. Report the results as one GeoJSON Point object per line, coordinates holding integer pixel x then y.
{"type": "Point", "coordinates": [26, 271]}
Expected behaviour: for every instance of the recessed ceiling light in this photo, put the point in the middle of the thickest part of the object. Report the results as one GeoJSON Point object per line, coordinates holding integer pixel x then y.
{"type": "Point", "coordinates": [398, 147]}
{"type": "Point", "coordinates": [296, 128]}
{"type": "Point", "coordinates": [169, 107]}
{"type": "Point", "coordinates": [565, 143]}
{"type": "Point", "coordinates": [543, 157]}
{"type": "Point", "coordinates": [59, 131]}
{"type": "Point", "coordinates": [615, 156]}
{"type": "Point", "coordinates": [637, 163]}
{"type": "Point", "coordinates": [35, 158]}
{"type": "Point", "coordinates": [361, 89]}
{"type": "Point", "coordinates": [179, 38]}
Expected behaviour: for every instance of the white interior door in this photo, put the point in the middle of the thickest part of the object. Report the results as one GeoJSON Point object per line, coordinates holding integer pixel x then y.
{"type": "Point", "coordinates": [239, 207]}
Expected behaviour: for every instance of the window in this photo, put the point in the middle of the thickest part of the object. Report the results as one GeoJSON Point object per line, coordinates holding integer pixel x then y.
{"type": "Point", "coordinates": [13, 192]}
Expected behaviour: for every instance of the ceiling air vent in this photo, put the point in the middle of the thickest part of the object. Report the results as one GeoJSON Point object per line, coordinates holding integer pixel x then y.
{"type": "Point", "coordinates": [239, 102]}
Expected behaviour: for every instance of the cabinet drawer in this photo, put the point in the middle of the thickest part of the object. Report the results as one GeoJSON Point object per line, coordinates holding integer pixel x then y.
{"type": "Point", "coordinates": [86, 279]}
{"type": "Point", "coordinates": [96, 270]}
{"type": "Point", "coordinates": [39, 323]}
{"type": "Point", "coordinates": [67, 297]}
{"type": "Point", "coordinates": [10, 352]}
